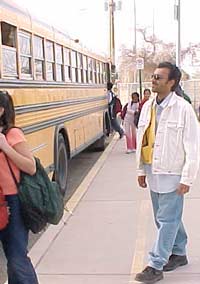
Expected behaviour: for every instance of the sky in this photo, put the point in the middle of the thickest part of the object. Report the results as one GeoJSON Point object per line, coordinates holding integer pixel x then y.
{"type": "Point", "coordinates": [87, 20]}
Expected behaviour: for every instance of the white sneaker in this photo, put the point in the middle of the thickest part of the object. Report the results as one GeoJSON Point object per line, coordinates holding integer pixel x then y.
{"type": "Point", "coordinates": [130, 151]}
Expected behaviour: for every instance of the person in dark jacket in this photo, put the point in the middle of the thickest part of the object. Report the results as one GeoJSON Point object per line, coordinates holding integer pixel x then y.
{"type": "Point", "coordinates": [111, 109]}
{"type": "Point", "coordinates": [180, 92]}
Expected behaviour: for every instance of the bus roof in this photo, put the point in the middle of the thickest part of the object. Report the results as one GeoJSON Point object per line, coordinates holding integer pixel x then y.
{"type": "Point", "coordinates": [28, 22]}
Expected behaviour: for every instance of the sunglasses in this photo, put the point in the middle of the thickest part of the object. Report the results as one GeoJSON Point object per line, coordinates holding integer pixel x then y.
{"type": "Point", "coordinates": [156, 77]}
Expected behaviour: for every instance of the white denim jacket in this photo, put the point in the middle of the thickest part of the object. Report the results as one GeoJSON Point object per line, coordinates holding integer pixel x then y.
{"type": "Point", "coordinates": [177, 143]}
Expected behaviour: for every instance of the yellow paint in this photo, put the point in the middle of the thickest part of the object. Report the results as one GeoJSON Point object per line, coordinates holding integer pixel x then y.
{"type": "Point", "coordinates": [140, 244]}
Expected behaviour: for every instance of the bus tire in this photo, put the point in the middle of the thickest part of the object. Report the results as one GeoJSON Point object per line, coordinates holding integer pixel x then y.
{"type": "Point", "coordinates": [61, 176]}
{"type": "Point", "coordinates": [100, 144]}
{"type": "Point", "coordinates": [107, 124]}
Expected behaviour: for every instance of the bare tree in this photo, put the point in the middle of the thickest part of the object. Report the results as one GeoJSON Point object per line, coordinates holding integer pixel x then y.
{"type": "Point", "coordinates": [153, 51]}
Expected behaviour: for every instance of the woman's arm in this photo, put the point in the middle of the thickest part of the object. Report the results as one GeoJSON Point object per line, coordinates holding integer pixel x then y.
{"type": "Point", "coordinates": [19, 154]}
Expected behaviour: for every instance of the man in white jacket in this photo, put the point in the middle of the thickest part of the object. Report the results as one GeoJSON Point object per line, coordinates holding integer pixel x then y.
{"type": "Point", "coordinates": [168, 153]}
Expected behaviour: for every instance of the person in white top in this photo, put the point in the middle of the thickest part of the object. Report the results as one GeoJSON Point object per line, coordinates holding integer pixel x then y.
{"type": "Point", "coordinates": [171, 169]}
{"type": "Point", "coordinates": [129, 126]}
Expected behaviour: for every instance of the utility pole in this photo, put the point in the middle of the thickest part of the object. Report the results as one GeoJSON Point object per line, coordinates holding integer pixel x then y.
{"type": "Point", "coordinates": [112, 7]}
{"type": "Point", "coordinates": [135, 40]}
{"type": "Point", "coordinates": [135, 31]}
{"type": "Point", "coordinates": [112, 37]}
{"type": "Point", "coordinates": [177, 17]}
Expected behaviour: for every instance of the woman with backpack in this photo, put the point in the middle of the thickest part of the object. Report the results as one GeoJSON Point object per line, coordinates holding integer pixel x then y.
{"type": "Point", "coordinates": [14, 236]}
{"type": "Point", "coordinates": [114, 108]}
{"type": "Point", "coordinates": [128, 115]}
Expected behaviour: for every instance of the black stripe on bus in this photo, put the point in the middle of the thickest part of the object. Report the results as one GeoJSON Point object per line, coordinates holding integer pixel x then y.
{"type": "Point", "coordinates": [60, 120]}
{"type": "Point", "coordinates": [18, 84]}
{"type": "Point", "coordinates": [57, 104]}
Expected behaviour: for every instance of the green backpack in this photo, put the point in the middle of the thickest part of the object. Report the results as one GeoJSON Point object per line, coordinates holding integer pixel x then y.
{"type": "Point", "coordinates": [40, 198]}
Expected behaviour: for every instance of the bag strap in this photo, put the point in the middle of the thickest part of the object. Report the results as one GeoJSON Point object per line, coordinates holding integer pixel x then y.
{"type": "Point", "coordinates": [12, 173]}
{"type": "Point", "coordinates": [9, 165]}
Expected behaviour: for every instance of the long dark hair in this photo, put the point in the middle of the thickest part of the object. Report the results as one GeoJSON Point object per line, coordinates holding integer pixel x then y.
{"type": "Point", "coordinates": [7, 120]}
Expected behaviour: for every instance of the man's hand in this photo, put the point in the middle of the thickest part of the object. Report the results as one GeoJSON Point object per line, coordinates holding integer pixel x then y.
{"type": "Point", "coordinates": [182, 189]}
{"type": "Point", "coordinates": [142, 181]}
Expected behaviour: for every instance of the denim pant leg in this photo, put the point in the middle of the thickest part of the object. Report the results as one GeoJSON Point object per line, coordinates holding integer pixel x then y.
{"type": "Point", "coordinates": [116, 126]}
{"type": "Point", "coordinates": [168, 209]}
{"type": "Point", "coordinates": [15, 240]}
{"type": "Point", "coordinates": [179, 247]}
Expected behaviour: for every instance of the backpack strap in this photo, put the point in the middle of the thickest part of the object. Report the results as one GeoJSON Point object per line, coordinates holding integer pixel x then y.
{"type": "Point", "coordinates": [12, 173]}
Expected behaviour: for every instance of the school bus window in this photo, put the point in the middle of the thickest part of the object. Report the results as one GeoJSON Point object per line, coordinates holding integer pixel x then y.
{"type": "Point", "coordinates": [39, 58]}
{"type": "Point", "coordinates": [49, 61]}
{"type": "Point", "coordinates": [80, 67]}
{"type": "Point", "coordinates": [8, 34]}
{"type": "Point", "coordinates": [9, 63]}
{"type": "Point", "coordinates": [9, 59]}
{"type": "Point", "coordinates": [104, 73]}
{"type": "Point", "coordinates": [74, 66]}
{"type": "Point", "coordinates": [90, 70]}
{"type": "Point", "coordinates": [25, 53]}
{"type": "Point", "coordinates": [59, 63]}
{"type": "Point", "coordinates": [101, 72]}
{"type": "Point", "coordinates": [94, 71]}
{"type": "Point", "coordinates": [85, 69]}
{"type": "Point", "coordinates": [98, 72]}
{"type": "Point", "coordinates": [67, 64]}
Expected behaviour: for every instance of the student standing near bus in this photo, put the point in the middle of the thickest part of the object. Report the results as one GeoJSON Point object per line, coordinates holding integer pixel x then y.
{"type": "Point", "coordinates": [146, 96]}
{"type": "Point", "coordinates": [14, 237]}
{"type": "Point", "coordinates": [128, 114]}
{"type": "Point", "coordinates": [112, 110]}
{"type": "Point", "coordinates": [168, 154]}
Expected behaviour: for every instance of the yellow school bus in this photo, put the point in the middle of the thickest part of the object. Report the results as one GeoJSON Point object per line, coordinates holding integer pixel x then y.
{"type": "Point", "coordinates": [58, 88]}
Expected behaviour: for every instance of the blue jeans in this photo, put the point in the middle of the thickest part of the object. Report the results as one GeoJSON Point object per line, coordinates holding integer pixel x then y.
{"type": "Point", "coordinates": [171, 236]}
{"type": "Point", "coordinates": [14, 239]}
{"type": "Point", "coordinates": [115, 125]}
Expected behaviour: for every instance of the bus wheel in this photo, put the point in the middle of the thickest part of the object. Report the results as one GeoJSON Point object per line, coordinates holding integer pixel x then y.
{"type": "Point", "coordinates": [62, 164]}
{"type": "Point", "coordinates": [100, 144]}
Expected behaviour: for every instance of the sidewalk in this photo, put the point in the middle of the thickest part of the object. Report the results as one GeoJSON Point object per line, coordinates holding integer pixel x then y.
{"type": "Point", "coordinates": [107, 238]}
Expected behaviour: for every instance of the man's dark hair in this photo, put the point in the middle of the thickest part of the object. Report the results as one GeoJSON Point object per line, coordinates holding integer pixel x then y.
{"type": "Point", "coordinates": [174, 74]}
{"type": "Point", "coordinates": [109, 86]}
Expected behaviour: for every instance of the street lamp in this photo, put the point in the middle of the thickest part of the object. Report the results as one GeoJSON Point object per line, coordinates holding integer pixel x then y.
{"type": "Point", "coordinates": [177, 17]}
